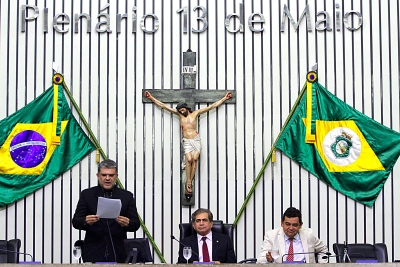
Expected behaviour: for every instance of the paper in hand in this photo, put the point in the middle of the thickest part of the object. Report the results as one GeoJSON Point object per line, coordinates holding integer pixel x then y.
{"type": "Point", "coordinates": [108, 208]}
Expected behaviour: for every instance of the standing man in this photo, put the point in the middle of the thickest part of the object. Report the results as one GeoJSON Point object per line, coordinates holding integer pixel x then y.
{"type": "Point", "coordinates": [191, 139]}
{"type": "Point", "coordinates": [104, 237]}
{"type": "Point", "coordinates": [218, 246]}
{"type": "Point", "coordinates": [292, 241]}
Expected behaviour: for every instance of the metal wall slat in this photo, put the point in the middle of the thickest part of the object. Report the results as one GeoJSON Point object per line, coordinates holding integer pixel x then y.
{"type": "Point", "coordinates": [106, 73]}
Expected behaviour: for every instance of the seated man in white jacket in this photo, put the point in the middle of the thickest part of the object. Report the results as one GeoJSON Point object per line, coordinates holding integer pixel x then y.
{"type": "Point", "coordinates": [292, 242]}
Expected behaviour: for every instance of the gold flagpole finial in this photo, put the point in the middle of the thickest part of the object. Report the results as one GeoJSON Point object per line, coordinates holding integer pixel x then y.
{"type": "Point", "coordinates": [58, 79]}
{"type": "Point", "coordinates": [273, 158]}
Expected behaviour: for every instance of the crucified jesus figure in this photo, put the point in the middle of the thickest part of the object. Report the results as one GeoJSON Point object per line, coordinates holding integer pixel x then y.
{"type": "Point", "coordinates": [191, 139]}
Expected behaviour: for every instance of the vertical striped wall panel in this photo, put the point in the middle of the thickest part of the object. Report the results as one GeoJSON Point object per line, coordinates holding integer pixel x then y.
{"type": "Point", "coordinates": [106, 73]}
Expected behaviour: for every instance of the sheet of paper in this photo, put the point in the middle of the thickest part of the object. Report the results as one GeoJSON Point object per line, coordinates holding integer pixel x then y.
{"type": "Point", "coordinates": [108, 208]}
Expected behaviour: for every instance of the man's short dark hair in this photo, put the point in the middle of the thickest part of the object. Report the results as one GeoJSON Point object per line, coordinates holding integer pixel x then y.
{"type": "Point", "coordinates": [197, 212]}
{"type": "Point", "coordinates": [183, 105]}
{"type": "Point", "coordinates": [107, 164]}
{"type": "Point", "coordinates": [292, 213]}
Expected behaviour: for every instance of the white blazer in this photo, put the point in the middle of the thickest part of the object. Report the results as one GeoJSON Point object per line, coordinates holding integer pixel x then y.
{"type": "Point", "coordinates": [310, 243]}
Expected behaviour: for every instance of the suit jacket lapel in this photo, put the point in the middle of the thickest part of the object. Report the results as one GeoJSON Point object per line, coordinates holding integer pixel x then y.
{"type": "Point", "coordinates": [215, 246]}
{"type": "Point", "coordinates": [282, 244]}
{"type": "Point", "coordinates": [304, 243]}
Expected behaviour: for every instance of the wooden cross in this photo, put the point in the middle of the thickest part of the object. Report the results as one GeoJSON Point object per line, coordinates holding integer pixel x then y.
{"type": "Point", "coordinates": [190, 96]}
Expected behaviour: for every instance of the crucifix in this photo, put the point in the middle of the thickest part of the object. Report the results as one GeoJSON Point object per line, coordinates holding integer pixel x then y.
{"type": "Point", "coordinates": [187, 98]}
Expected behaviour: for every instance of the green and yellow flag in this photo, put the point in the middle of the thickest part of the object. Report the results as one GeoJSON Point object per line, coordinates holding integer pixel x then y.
{"type": "Point", "coordinates": [38, 143]}
{"type": "Point", "coordinates": [339, 145]}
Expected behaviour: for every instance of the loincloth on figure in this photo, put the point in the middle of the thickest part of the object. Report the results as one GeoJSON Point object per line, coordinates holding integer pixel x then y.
{"type": "Point", "coordinates": [190, 145]}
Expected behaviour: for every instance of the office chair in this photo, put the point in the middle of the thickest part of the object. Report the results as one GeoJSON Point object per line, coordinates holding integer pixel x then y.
{"type": "Point", "coordinates": [137, 250]}
{"type": "Point", "coordinates": [359, 251]}
{"type": "Point", "coordinates": [9, 251]}
{"type": "Point", "coordinates": [186, 229]}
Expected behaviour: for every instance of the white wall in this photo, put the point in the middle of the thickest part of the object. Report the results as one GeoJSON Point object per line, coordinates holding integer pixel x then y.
{"type": "Point", "coordinates": [107, 72]}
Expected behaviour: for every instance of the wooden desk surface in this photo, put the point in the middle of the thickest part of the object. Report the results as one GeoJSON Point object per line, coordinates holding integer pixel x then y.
{"type": "Point", "coordinates": [389, 264]}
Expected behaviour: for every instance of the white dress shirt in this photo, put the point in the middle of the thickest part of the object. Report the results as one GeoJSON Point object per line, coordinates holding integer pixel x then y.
{"type": "Point", "coordinates": [209, 245]}
{"type": "Point", "coordinates": [297, 247]}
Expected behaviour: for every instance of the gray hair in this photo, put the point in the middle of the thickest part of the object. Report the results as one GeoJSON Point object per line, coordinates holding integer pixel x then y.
{"type": "Point", "coordinates": [107, 164]}
{"type": "Point", "coordinates": [197, 212]}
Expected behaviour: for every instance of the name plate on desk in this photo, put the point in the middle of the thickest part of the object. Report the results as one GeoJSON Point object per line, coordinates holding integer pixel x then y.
{"type": "Point", "coordinates": [292, 262]}
{"type": "Point", "coordinates": [366, 261]}
{"type": "Point", "coordinates": [30, 262]}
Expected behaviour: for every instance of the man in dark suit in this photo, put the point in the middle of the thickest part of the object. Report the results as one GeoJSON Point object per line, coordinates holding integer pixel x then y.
{"type": "Point", "coordinates": [215, 247]}
{"type": "Point", "coordinates": [104, 237]}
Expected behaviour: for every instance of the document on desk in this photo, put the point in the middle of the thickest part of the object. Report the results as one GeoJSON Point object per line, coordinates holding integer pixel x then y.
{"type": "Point", "coordinates": [108, 208]}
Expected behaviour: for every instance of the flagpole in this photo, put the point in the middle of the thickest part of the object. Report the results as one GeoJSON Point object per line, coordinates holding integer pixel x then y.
{"type": "Point", "coordinates": [91, 134]}
{"type": "Point", "coordinates": [97, 144]}
{"type": "Point", "coordinates": [252, 189]}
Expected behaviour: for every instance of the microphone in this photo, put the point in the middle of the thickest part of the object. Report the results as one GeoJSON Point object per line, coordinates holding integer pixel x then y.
{"type": "Point", "coordinates": [112, 242]}
{"type": "Point", "coordinates": [173, 237]}
{"type": "Point", "coordinates": [327, 254]}
{"type": "Point", "coordinates": [336, 256]}
{"type": "Point", "coordinates": [16, 252]}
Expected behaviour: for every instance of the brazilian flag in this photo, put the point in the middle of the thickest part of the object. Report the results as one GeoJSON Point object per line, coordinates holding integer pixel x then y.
{"type": "Point", "coordinates": [38, 143]}
{"type": "Point", "coordinates": [339, 145]}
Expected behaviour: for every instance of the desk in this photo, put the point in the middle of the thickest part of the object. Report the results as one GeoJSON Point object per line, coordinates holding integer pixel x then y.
{"type": "Point", "coordinates": [389, 264]}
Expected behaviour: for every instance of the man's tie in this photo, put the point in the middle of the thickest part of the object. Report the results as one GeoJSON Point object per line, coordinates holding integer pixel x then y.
{"type": "Point", "coordinates": [206, 256]}
{"type": "Point", "coordinates": [290, 256]}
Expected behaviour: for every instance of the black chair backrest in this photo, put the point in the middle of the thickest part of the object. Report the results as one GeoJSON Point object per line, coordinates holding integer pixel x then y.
{"type": "Point", "coordinates": [6, 251]}
{"type": "Point", "coordinates": [361, 252]}
{"type": "Point", "coordinates": [248, 261]}
{"type": "Point", "coordinates": [186, 229]}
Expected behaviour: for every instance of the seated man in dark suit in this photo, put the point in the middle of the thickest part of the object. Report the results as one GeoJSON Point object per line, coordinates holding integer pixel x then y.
{"type": "Point", "coordinates": [218, 246]}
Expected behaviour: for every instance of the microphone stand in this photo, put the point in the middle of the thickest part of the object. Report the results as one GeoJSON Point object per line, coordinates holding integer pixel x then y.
{"type": "Point", "coordinates": [183, 245]}
{"type": "Point", "coordinates": [112, 242]}
{"type": "Point", "coordinates": [345, 253]}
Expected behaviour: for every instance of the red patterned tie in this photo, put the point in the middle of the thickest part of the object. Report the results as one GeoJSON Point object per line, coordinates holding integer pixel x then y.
{"type": "Point", "coordinates": [206, 256]}
{"type": "Point", "coordinates": [290, 256]}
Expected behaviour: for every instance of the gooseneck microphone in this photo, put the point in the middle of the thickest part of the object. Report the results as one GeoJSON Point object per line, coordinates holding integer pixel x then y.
{"type": "Point", "coordinates": [112, 242]}
{"type": "Point", "coordinates": [16, 252]}
{"type": "Point", "coordinates": [173, 237]}
{"type": "Point", "coordinates": [327, 254]}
